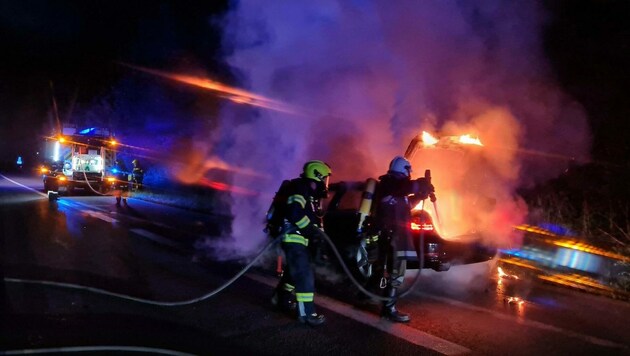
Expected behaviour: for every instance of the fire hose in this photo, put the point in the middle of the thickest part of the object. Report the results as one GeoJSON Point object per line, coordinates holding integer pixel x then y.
{"type": "Point", "coordinates": [229, 282]}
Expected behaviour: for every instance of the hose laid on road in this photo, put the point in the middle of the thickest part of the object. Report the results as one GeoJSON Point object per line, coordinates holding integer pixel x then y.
{"type": "Point", "coordinates": [144, 350]}
{"type": "Point", "coordinates": [91, 188]}
{"type": "Point", "coordinates": [223, 286]}
{"type": "Point", "coordinates": [148, 301]}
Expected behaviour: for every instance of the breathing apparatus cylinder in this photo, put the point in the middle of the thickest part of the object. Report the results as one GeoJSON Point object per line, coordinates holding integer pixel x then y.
{"type": "Point", "coordinates": [366, 202]}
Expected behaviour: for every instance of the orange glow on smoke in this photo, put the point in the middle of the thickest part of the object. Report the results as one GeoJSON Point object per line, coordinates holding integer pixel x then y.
{"type": "Point", "coordinates": [225, 187]}
{"type": "Point", "coordinates": [236, 95]}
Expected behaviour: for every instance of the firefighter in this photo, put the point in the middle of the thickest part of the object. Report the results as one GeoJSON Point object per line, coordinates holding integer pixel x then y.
{"type": "Point", "coordinates": [137, 175]}
{"type": "Point", "coordinates": [302, 225]}
{"type": "Point", "coordinates": [397, 194]}
{"type": "Point", "coordinates": [121, 186]}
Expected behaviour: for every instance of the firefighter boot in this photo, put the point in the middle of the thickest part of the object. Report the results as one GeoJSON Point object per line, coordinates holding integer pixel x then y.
{"type": "Point", "coordinates": [389, 310]}
{"type": "Point", "coordinates": [307, 314]}
{"type": "Point", "coordinates": [312, 319]}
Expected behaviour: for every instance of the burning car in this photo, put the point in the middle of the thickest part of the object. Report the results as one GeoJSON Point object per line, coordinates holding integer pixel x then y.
{"type": "Point", "coordinates": [347, 221]}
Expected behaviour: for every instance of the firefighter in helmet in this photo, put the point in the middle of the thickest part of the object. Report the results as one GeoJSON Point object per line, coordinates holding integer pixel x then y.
{"type": "Point", "coordinates": [137, 175]}
{"type": "Point", "coordinates": [121, 187]}
{"type": "Point", "coordinates": [302, 224]}
{"type": "Point", "coordinates": [396, 195]}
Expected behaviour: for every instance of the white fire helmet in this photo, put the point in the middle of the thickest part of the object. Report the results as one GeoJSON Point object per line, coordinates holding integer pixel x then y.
{"type": "Point", "coordinates": [400, 165]}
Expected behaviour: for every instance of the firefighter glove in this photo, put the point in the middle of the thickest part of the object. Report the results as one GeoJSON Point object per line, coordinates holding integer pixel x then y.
{"type": "Point", "coordinates": [425, 188]}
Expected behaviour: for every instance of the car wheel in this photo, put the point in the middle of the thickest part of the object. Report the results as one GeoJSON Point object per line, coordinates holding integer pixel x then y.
{"type": "Point", "coordinates": [444, 267]}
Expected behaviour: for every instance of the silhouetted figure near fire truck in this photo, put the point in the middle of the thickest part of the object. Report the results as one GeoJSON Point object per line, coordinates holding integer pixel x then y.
{"type": "Point", "coordinates": [121, 185]}
{"type": "Point", "coordinates": [137, 175]}
{"type": "Point", "coordinates": [396, 195]}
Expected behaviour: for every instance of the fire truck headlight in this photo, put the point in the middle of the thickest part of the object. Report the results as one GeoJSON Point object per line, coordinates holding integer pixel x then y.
{"type": "Point", "coordinates": [111, 179]}
{"type": "Point", "coordinates": [62, 179]}
{"type": "Point", "coordinates": [44, 170]}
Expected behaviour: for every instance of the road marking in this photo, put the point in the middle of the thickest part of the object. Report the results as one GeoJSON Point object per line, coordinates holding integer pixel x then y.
{"type": "Point", "coordinates": [401, 331]}
{"type": "Point", "coordinates": [24, 186]}
{"type": "Point", "coordinates": [154, 237]}
{"type": "Point", "coordinates": [99, 215]}
{"type": "Point", "coordinates": [526, 322]}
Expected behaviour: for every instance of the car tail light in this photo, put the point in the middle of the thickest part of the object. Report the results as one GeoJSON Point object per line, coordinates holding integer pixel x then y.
{"type": "Point", "coordinates": [415, 226]}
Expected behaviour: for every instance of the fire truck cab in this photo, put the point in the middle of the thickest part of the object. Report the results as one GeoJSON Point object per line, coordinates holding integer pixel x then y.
{"type": "Point", "coordinates": [78, 159]}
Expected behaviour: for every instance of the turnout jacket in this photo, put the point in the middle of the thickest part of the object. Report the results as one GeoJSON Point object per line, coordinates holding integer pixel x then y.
{"type": "Point", "coordinates": [396, 196]}
{"type": "Point", "coordinates": [303, 209]}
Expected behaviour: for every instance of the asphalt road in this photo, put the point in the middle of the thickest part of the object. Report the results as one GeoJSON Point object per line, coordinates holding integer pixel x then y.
{"type": "Point", "coordinates": [72, 269]}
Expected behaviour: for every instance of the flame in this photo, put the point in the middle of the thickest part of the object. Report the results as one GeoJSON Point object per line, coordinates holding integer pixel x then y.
{"type": "Point", "coordinates": [428, 139]}
{"type": "Point", "coordinates": [515, 300]}
{"type": "Point", "coordinates": [469, 140]}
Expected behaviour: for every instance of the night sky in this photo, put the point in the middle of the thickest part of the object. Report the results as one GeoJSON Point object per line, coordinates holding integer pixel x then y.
{"type": "Point", "coordinates": [76, 44]}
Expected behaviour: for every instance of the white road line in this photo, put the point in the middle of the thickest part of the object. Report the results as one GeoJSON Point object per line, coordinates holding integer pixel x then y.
{"type": "Point", "coordinates": [401, 331]}
{"type": "Point", "coordinates": [23, 186]}
{"type": "Point", "coordinates": [99, 215]}
{"type": "Point", "coordinates": [526, 322]}
{"type": "Point", "coordinates": [154, 237]}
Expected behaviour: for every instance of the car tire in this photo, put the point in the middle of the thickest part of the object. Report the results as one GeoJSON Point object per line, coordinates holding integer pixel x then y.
{"type": "Point", "coordinates": [444, 267]}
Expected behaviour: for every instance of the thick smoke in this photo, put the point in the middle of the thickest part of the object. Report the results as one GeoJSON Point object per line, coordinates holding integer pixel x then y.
{"type": "Point", "coordinates": [368, 76]}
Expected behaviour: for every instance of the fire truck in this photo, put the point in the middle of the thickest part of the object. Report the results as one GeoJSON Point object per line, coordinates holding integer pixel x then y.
{"type": "Point", "coordinates": [79, 159]}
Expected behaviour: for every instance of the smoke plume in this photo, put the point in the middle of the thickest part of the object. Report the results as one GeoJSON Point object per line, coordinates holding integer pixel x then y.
{"type": "Point", "coordinates": [366, 77]}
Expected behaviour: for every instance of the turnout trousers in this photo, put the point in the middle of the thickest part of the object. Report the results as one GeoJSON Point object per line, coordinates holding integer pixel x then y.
{"type": "Point", "coordinates": [298, 275]}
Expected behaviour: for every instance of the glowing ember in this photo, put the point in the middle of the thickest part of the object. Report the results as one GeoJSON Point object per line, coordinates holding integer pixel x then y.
{"type": "Point", "coordinates": [515, 300]}
{"type": "Point", "coordinates": [502, 274]}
